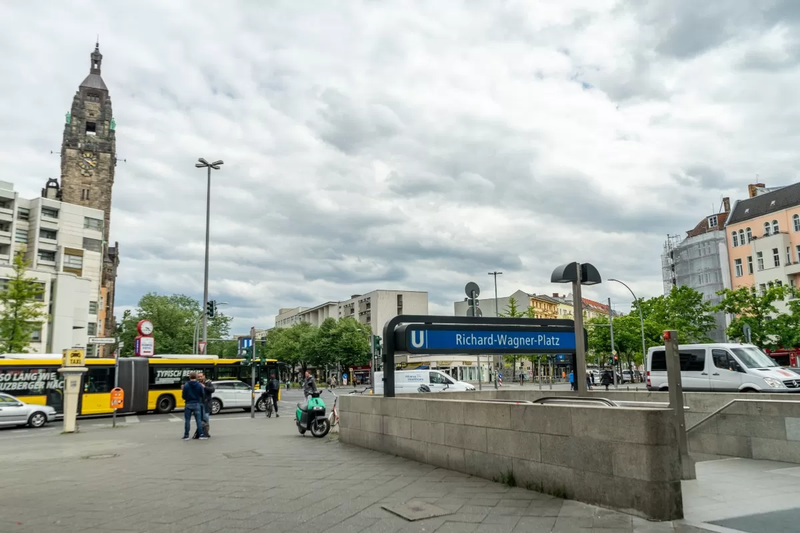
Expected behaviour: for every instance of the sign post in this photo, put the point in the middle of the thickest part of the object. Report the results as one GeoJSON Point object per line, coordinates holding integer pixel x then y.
{"type": "Point", "coordinates": [117, 401]}
{"type": "Point", "coordinates": [473, 309]}
{"type": "Point", "coordinates": [253, 374]}
{"type": "Point", "coordinates": [201, 347]}
{"type": "Point", "coordinates": [72, 369]}
{"type": "Point", "coordinates": [675, 388]}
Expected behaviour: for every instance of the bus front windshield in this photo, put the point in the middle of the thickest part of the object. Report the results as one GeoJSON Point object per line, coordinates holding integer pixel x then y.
{"type": "Point", "coordinates": [752, 357]}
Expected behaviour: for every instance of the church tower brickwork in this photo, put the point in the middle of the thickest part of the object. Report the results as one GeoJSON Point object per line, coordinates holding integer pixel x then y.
{"type": "Point", "coordinates": [88, 160]}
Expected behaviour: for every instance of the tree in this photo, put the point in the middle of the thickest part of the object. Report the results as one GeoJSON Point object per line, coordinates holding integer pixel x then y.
{"type": "Point", "coordinates": [174, 318]}
{"type": "Point", "coordinates": [22, 310]}
{"type": "Point", "coordinates": [684, 309]}
{"type": "Point", "coordinates": [757, 309]}
{"type": "Point", "coordinates": [351, 343]}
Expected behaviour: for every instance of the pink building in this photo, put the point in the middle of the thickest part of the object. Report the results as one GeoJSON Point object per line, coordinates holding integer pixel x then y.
{"type": "Point", "coordinates": [763, 237]}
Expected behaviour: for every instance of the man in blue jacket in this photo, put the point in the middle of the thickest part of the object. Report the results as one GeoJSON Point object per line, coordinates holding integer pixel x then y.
{"type": "Point", "coordinates": [194, 396]}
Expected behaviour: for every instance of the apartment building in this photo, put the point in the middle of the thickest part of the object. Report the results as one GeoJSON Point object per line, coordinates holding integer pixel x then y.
{"type": "Point", "coordinates": [63, 243]}
{"type": "Point", "coordinates": [374, 308]}
{"type": "Point", "coordinates": [544, 306]}
{"type": "Point", "coordinates": [763, 238]}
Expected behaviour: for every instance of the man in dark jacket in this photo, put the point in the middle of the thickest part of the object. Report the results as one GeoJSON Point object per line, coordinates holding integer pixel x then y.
{"type": "Point", "coordinates": [193, 396]}
{"type": "Point", "coordinates": [208, 393]}
{"type": "Point", "coordinates": [271, 390]}
{"type": "Point", "coordinates": [309, 385]}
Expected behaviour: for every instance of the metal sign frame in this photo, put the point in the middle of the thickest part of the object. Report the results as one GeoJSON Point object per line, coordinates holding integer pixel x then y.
{"type": "Point", "coordinates": [466, 323]}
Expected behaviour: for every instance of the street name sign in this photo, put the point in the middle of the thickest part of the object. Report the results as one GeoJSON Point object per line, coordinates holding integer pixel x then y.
{"type": "Point", "coordinates": [486, 339]}
{"type": "Point", "coordinates": [102, 340]}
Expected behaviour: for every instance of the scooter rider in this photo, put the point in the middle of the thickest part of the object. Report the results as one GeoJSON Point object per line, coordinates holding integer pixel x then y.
{"type": "Point", "coordinates": [309, 385]}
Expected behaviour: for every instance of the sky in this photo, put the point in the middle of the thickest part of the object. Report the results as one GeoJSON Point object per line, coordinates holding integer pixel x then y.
{"type": "Point", "coordinates": [407, 144]}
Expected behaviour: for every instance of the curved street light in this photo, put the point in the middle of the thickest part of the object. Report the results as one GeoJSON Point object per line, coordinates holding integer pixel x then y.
{"type": "Point", "coordinates": [641, 316]}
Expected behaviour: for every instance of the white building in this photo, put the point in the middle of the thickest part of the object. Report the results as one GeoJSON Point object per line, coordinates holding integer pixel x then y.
{"type": "Point", "coordinates": [374, 308]}
{"type": "Point", "coordinates": [64, 244]}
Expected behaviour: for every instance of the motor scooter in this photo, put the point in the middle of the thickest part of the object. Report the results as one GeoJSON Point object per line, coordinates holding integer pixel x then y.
{"type": "Point", "coordinates": [311, 417]}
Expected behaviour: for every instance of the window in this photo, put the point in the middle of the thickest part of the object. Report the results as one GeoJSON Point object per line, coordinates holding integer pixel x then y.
{"type": "Point", "coordinates": [73, 261]}
{"type": "Point", "coordinates": [224, 386]}
{"type": "Point", "coordinates": [93, 245]}
{"type": "Point", "coordinates": [93, 223]}
{"type": "Point", "coordinates": [48, 234]}
{"type": "Point", "coordinates": [762, 288]}
{"type": "Point", "coordinates": [92, 308]}
{"type": "Point", "coordinates": [36, 335]}
{"type": "Point", "coordinates": [91, 128]}
{"type": "Point", "coordinates": [752, 357]}
{"type": "Point", "coordinates": [776, 257]}
{"type": "Point", "coordinates": [778, 283]}
{"type": "Point", "coordinates": [49, 212]}
{"type": "Point", "coordinates": [797, 248]}
{"type": "Point", "coordinates": [735, 238]}
{"type": "Point", "coordinates": [775, 228]}
{"type": "Point", "coordinates": [749, 235]}
{"type": "Point", "coordinates": [760, 259]}
{"type": "Point", "coordinates": [171, 377]}
{"type": "Point", "coordinates": [23, 213]}
{"type": "Point", "coordinates": [796, 221]}
{"type": "Point", "coordinates": [45, 255]}
{"type": "Point", "coordinates": [741, 237]}
{"type": "Point", "coordinates": [84, 194]}
{"type": "Point", "coordinates": [99, 380]}
{"type": "Point", "coordinates": [788, 255]}
{"type": "Point", "coordinates": [691, 360]}
{"type": "Point", "coordinates": [766, 229]}
{"type": "Point", "coordinates": [739, 270]}
{"type": "Point", "coordinates": [91, 328]}
{"type": "Point", "coordinates": [40, 296]}
{"type": "Point", "coordinates": [712, 221]}
{"type": "Point", "coordinates": [724, 361]}
{"type": "Point", "coordinates": [91, 350]}
{"type": "Point", "coordinates": [21, 235]}
{"type": "Point", "coordinates": [749, 264]}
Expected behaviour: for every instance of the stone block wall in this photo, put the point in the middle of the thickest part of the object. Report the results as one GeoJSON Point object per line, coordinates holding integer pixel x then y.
{"type": "Point", "coordinates": [625, 459]}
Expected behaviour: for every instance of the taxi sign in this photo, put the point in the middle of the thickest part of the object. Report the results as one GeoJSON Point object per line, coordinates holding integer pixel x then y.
{"type": "Point", "coordinates": [73, 357]}
{"type": "Point", "coordinates": [117, 398]}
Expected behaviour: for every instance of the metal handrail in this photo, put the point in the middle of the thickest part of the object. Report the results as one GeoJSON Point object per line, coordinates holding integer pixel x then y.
{"type": "Point", "coordinates": [563, 399]}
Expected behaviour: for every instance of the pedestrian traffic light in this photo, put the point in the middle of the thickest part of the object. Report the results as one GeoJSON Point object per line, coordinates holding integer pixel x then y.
{"type": "Point", "coordinates": [376, 344]}
{"type": "Point", "coordinates": [247, 353]}
{"type": "Point", "coordinates": [211, 309]}
{"type": "Point", "coordinates": [473, 307]}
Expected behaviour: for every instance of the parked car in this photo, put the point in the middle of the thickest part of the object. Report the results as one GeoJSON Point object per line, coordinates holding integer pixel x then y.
{"type": "Point", "coordinates": [233, 394]}
{"type": "Point", "coordinates": [15, 412]}
{"type": "Point", "coordinates": [722, 368]}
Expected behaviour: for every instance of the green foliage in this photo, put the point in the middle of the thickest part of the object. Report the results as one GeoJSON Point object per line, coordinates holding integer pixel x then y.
{"type": "Point", "coordinates": [345, 342]}
{"type": "Point", "coordinates": [513, 311]}
{"type": "Point", "coordinates": [749, 306]}
{"type": "Point", "coordinates": [683, 309]}
{"type": "Point", "coordinates": [21, 309]}
{"type": "Point", "coordinates": [174, 318]}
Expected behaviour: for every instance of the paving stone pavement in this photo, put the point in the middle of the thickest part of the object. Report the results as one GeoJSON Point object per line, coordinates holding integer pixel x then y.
{"type": "Point", "coordinates": [258, 475]}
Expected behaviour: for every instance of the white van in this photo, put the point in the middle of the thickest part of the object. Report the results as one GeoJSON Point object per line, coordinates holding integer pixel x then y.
{"type": "Point", "coordinates": [408, 381]}
{"type": "Point", "coordinates": [722, 368]}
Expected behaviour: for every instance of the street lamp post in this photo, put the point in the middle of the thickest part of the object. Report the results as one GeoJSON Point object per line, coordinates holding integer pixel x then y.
{"type": "Point", "coordinates": [202, 163]}
{"type": "Point", "coordinates": [641, 316]}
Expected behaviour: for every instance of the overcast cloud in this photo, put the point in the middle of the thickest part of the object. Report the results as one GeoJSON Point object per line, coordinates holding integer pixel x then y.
{"type": "Point", "coordinates": [407, 144]}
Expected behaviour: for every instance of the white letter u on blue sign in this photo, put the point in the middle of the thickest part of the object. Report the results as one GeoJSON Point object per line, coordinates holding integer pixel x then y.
{"type": "Point", "coordinates": [417, 339]}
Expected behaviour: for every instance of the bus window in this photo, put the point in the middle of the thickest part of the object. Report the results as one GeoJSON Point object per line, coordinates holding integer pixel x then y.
{"type": "Point", "coordinates": [227, 372]}
{"type": "Point", "coordinates": [34, 385]}
{"type": "Point", "coordinates": [99, 380]}
{"type": "Point", "coordinates": [171, 377]}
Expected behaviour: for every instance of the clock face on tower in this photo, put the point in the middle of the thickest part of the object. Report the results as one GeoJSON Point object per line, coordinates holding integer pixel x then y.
{"type": "Point", "coordinates": [87, 162]}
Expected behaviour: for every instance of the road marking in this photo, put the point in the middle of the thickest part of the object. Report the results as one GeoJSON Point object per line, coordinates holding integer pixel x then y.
{"type": "Point", "coordinates": [131, 419]}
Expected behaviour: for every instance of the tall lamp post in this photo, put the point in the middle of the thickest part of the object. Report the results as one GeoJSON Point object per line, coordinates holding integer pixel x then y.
{"type": "Point", "coordinates": [202, 163]}
{"type": "Point", "coordinates": [641, 316]}
{"type": "Point", "coordinates": [578, 274]}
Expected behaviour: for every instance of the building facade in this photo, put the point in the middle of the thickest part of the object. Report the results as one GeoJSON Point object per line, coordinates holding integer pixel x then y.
{"type": "Point", "coordinates": [63, 244]}
{"type": "Point", "coordinates": [491, 307]}
{"type": "Point", "coordinates": [374, 308]}
{"type": "Point", "coordinates": [700, 261]}
{"type": "Point", "coordinates": [88, 162]}
{"type": "Point", "coordinates": [544, 306]}
{"type": "Point", "coordinates": [763, 239]}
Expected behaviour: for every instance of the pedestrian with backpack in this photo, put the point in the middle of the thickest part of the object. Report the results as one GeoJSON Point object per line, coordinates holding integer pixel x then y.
{"type": "Point", "coordinates": [208, 393]}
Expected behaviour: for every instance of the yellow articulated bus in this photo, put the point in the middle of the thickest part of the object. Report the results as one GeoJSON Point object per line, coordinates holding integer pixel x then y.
{"type": "Point", "coordinates": [150, 383]}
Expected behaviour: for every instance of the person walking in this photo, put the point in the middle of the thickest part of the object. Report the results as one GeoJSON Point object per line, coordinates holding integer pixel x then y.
{"type": "Point", "coordinates": [193, 396]}
{"type": "Point", "coordinates": [607, 379]}
{"type": "Point", "coordinates": [273, 385]}
{"type": "Point", "coordinates": [208, 393]}
{"type": "Point", "coordinates": [309, 385]}
{"type": "Point", "coordinates": [572, 385]}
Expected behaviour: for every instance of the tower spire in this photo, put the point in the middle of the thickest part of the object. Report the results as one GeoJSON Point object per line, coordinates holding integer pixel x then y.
{"type": "Point", "coordinates": [97, 58]}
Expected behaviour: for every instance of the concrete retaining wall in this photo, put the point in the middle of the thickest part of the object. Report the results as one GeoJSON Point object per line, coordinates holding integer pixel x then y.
{"type": "Point", "coordinates": [626, 459]}
{"type": "Point", "coordinates": [766, 427]}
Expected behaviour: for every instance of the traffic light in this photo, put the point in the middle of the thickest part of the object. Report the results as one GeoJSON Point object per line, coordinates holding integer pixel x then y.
{"type": "Point", "coordinates": [376, 344]}
{"type": "Point", "coordinates": [211, 309]}
{"type": "Point", "coordinates": [247, 353]}
{"type": "Point", "coordinates": [473, 307]}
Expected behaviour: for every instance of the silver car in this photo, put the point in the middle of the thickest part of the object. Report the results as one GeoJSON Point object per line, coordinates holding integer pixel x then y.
{"type": "Point", "coordinates": [14, 412]}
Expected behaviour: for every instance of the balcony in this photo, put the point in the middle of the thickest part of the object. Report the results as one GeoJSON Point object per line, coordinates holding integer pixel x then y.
{"type": "Point", "coordinates": [48, 244]}
{"type": "Point", "coordinates": [791, 269]}
{"type": "Point", "coordinates": [6, 214]}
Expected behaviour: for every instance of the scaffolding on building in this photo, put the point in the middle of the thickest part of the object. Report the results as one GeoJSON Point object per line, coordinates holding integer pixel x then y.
{"type": "Point", "coordinates": [668, 260]}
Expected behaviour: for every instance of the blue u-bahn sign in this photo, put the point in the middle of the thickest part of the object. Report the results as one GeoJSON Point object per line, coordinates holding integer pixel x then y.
{"type": "Point", "coordinates": [428, 338]}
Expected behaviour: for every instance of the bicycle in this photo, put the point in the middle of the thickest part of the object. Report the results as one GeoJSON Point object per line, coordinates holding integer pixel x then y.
{"type": "Point", "coordinates": [333, 417]}
{"type": "Point", "coordinates": [360, 391]}
{"type": "Point", "coordinates": [269, 407]}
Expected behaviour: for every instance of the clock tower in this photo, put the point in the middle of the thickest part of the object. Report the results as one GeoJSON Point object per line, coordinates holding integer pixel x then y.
{"type": "Point", "coordinates": [88, 158]}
